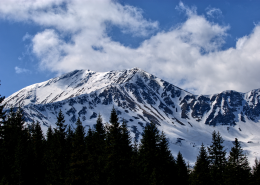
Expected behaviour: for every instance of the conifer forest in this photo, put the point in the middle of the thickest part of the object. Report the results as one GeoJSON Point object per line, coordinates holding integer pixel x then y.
{"type": "Point", "coordinates": [106, 154]}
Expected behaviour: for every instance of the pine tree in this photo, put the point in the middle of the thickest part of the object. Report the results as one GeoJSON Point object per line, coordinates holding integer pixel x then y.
{"type": "Point", "coordinates": [135, 164]}
{"type": "Point", "coordinates": [100, 130]}
{"type": "Point", "coordinates": [167, 166]}
{"type": "Point", "coordinates": [2, 118]}
{"type": "Point", "coordinates": [182, 170]}
{"type": "Point", "coordinates": [256, 172]}
{"type": "Point", "coordinates": [57, 160]}
{"type": "Point", "coordinates": [69, 149]}
{"type": "Point", "coordinates": [237, 169]}
{"type": "Point", "coordinates": [15, 148]}
{"type": "Point", "coordinates": [61, 127]}
{"type": "Point", "coordinates": [113, 118]}
{"type": "Point", "coordinates": [117, 151]}
{"type": "Point", "coordinates": [99, 151]}
{"type": "Point", "coordinates": [2, 124]}
{"type": "Point", "coordinates": [149, 154]}
{"type": "Point", "coordinates": [49, 161]}
{"type": "Point", "coordinates": [38, 148]}
{"type": "Point", "coordinates": [78, 156]}
{"type": "Point", "coordinates": [9, 144]}
{"type": "Point", "coordinates": [217, 158]}
{"type": "Point", "coordinates": [91, 175]}
{"type": "Point", "coordinates": [125, 146]}
{"type": "Point", "coordinates": [49, 135]}
{"type": "Point", "coordinates": [201, 175]}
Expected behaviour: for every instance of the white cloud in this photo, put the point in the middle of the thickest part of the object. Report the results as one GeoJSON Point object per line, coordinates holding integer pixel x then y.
{"type": "Point", "coordinates": [214, 12]}
{"type": "Point", "coordinates": [19, 70]}
{"type": "Point", "coordinates": [189, 11]}
{"type": "Point", "coordinates": [27, 37]}
{"type": "Point", "coordinates": [189, 56]}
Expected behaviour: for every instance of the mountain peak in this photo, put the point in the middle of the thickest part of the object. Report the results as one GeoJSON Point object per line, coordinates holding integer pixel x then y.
{"type": "Point", "coordinates": [70, 85]}
{"type": "Point", "coordinates": [141, 98]}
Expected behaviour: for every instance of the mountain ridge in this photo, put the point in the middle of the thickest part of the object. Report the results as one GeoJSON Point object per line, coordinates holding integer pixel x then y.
{"type": "Point", "coordinates": [140, 98]}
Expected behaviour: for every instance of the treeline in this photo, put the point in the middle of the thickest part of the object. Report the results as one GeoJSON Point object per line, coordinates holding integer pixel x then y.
{"type": "Point", "coordinates": [107, 155]}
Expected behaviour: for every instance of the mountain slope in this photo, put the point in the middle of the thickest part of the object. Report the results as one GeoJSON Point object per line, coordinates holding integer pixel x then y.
{"type": "Point", "coordinates": [140, 98]}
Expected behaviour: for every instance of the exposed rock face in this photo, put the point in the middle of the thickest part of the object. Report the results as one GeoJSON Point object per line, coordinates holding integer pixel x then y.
{"type": "Point", "coordinates": [139, 98]}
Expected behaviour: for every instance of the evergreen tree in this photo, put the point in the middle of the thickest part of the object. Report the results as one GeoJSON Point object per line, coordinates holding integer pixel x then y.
{"type": "Point", "coordinates": [99, 151]}
{"type": "Point", "coordinates": [78, 156]}
{"type": "Point", "coordinates": [237, 170]}
{"type": "Point", "coordinates": [2, 118]}
{"type": "Point", "coordinates": [217, 158]}
{"type": "Point", "coordinates": [57, 160]}
{"type": "Point", "coordinates": [69, 150]}
{"type": "Point", "coordinates": [61, 127]}
{"type": "Point", "coordinates": [113, 118]}
{"type": "Point", "coordinates": [256, 172]}
{"type": "Point", "coordinates": [182, 170]}
{"type": "Point", "coordinates": [15, 147]}
{"type": "Point", "coordinates": [9, 144]}
{"type": "Point", "coordinates": [100, 130]}
{"type": "Point", "coordinates": [117, 152]}
{"type": "Point", "coordinates": [23, 155]}
{"type": "Point", "coordinates": [167, 168]}
{"type": "Point", "coordinates": [201, 175]}
{"type": "Point", "coordinates": [135, 164]}
{"type": "Point", "coordinates": [49, 136]}
{"type": "Point", "coordinates": [149, 154]}
{"type": "Point", "coordinates": [125, 146]}
{"type": "Point", "coordinates": [49, 159]}
{"type": "Point", "coordinates": [38, 148]}
{"type": "Point", "coordinates": [2, 124]}
{"type": "Point", "coordinates": [91, 174]}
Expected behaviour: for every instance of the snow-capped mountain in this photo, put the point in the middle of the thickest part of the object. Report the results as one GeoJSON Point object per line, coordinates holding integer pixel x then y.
{"type": "Point", "coordinates": [140, 98]}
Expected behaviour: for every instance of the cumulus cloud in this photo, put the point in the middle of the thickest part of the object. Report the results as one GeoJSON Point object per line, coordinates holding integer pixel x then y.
{"type": "Point", "coordinates": [189, 56]}
{"type": "Point", "coordinates": [19, 70]}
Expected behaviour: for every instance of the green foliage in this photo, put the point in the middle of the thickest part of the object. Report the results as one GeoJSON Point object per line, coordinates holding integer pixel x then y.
{"type": "Point", "coordinates": [182, 170]}
{"type": "Point", "coordinates": [61, 127]}
{"type": "Point", "coordinates": [113, 118]}
{"type": "Point", "coordinates": [118, 152]}
{"type": "Point", "coordinates": [100, 130]}
{"type": "Point", "coordinates": [149, 153]}
{"type": "Point", "coordinates": [57, 156]}
{"type": "Point", "coordinates": [78, 156]}
{"type": "Point", "coordinates": [106, 155]}
{"type": "Point", "coordinates": [256, 172]}
{"type": "Point", "coordinates": [16, 150]}
{"type": "Point", "coordinates": [37, 157]}
{"type": "Point", "coordinates": [155, 160]}
{"type": "Point", "coordinates": [167, 165]}
{"type": "Point", "coordinates": [2, 118]}
{"type": "Point", "coordinates": [237, 170]}
{"type": "Point", "coordinates": [201, 175]}
{"type": "Point", "coordinates": [217, 158]}
{"type": "Point", "coordinates": [2, 128]}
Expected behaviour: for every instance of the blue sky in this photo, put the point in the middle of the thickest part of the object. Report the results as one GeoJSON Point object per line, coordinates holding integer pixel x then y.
{"type": "Point", "coordinates": [202, 46]}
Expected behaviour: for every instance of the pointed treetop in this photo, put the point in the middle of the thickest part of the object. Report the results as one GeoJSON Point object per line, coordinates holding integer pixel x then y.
{"type": "Point", "coordinates": [236, 156]}
{"type": "Point", "coordinates": [202, 153]}
{"type": "Point", "coordinates": [90, 133]}
{"type": "Point", "coordinates": [49, 134]}
{"type": "Point", "coordinates": [217, 153]}
{"type": "Point", "coordinates": [61, 127]}
{"type": "Point", "coordinates": [79, 131]}
{"type": "Point", "coordinates": [78, 123]}
{"type": "Point", "coordinates": [99, 126]}
{"type": "Point", "coordinates": [113, 117]}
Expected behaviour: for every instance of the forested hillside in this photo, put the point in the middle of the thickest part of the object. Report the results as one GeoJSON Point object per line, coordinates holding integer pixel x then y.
{"type": "Point", "coordinates": [105, 154]}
